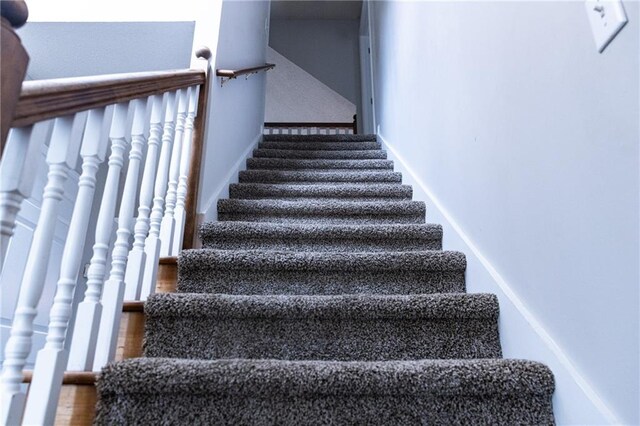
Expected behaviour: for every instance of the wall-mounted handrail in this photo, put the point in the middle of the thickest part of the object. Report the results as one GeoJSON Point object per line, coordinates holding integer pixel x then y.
{"type": "Point", "coordinates": [45, 99]}
{"type": "Point", "coordinates": [231, 74]}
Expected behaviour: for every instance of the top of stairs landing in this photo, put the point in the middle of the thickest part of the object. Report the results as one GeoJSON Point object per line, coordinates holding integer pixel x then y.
{"type": "Point", "coordinates": [320, 138]}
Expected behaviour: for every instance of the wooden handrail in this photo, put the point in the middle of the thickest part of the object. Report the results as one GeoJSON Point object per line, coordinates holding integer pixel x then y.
{"type": "Point", "coordinates": [243, 71]}
{"type": "Point", "coordinates": [45, 99]}
{"type": "Point", "coordinates": [327, 125]}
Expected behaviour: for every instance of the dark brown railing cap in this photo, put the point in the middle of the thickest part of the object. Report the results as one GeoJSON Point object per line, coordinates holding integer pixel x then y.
{"type": "Point", "coordinates": [203, 52]}
{"type": "Point", "coordinates": [14, 11]}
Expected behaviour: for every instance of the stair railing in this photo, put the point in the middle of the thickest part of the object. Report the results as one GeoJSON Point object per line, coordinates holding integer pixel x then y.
{"type": "Point", "coordinates": [146, 130]}
{"type": "Point", "coordinates": [311, 128]}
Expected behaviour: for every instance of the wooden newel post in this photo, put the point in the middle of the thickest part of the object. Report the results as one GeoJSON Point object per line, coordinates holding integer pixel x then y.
{"type": "Point", "coordinates": [196, 153]}
{"type": "Point", "coordinates": [14, 62]}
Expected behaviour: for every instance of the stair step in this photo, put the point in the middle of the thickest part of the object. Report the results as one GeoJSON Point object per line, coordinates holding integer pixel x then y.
{"type": "Point", "coordinates": [336, 212]}
{"type": "Point", "coordinates": [321, 146]}
{"type": "Point", "coordinates": [320, 138]}
{"type": "Point", "coordinates": [342, 328]}
{"type": "Point", "coordinates": [282, 272]}
{"type": "Point", "coordinates": [264, 176]}
{"type": "Point", "coordinates": [231, 392]}
{"type": "Point", "coordinates": [336, 191]}
{"type": "Point", "coordinates": [344, 155]}
{"type": "Point", "coordinates": [334, 238]}
{"type": "Point", "coordinates": [318, 164]}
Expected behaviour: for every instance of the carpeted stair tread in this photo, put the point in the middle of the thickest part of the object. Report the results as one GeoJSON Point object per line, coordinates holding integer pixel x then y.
{"type": "Point", "coordinates": [321, 211]}
{"type": "Point", "coordinates": [309, 237]}
{"type": "Point", "coordinates": [342, 327]}
{"type": "Point", "coordinates": [282, 272]}
{"type": "Point", "coordinates": [335, 190]}
{"type": "Point", "coordinates": [320, 146]}
{"type": "Point", "coordinates": [262, 392]}
{"type": "Point", "coordinates": [317, 164]}
{"type": "Point", "coordinates": [364, 176]}
{"type": "Point", "coordinates": [320, 138]}
{"type": "Point", "coordinates": [305, 154]}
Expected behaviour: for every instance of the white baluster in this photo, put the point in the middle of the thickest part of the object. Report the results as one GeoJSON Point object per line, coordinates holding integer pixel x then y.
{"type": "Point", "coordinates": [85, 331]}
{"type": "Point", "coordinates": [168, 224]}
{"type": "Point", "coordinates": [153, 242]}
{"type": "Point", "coordinates": [185, 162]}
{"type": "Point", "coordinates": [17, 174]}
{"type": "Point", "coordinates": [61, 156]}
{"type": "Point", "coordinates": [51, 361]}
{"type": "Point", "coordinates": [113, 291]}
{"type": "Point", "coordinates": [137, 255]}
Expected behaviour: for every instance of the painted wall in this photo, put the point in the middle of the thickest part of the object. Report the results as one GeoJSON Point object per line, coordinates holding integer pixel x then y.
{"type": "Point", "coordinates": [326, 49]}
{"type": "Point", "coordinates": [295, 95]}
{"type": "Point", "coordinates": [72, 49]}
{"type": "Point", "coordinates": [524, 141]}
{"type": "Point", "coordinates": [236, 110]}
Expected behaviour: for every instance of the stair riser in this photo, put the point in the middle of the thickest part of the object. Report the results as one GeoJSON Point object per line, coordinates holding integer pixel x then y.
{"type": "Point", "coordinates": [320, 282]}
{"type": "Point", "coordinates": [336, 245]}
{"type": "Point", "coordinates": [284, 409]}
{"type": "Point", "coordinates": [337, 155]}
{"type": "Point", "coordinates": [297, 339]}
{"type": "Point", "coordinates": [323, 219]}
{"type": "Point", "coordinates": [265, 176]}
{"type": "Point", "coordinates": [284, 164]}
{"type": "Point", "coordinates": [321, 191]}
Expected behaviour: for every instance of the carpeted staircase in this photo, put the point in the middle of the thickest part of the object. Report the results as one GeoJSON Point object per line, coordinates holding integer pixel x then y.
{"type": "Point", "coordinates": [322, 297]}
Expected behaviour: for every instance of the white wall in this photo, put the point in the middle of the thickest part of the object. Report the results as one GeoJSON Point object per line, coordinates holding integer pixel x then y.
{"type": "Point", "coordinates": [72, 49]}
{"type": "Point", "coordinates": [294, 95]}
{"type": "Point", "coordinates": [236, 110]}
{"type": "Point", "coordinates": [525, 143]}
{"type": "Point", "coordinates": [326, 49]}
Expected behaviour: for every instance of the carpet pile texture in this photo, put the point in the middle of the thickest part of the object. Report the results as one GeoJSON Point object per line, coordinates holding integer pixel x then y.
{"type": "Point", "coordinates": [321, 296]}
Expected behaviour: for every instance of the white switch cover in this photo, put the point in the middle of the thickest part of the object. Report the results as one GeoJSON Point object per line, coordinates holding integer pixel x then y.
{"type": "Point", "coordinates": [607, 17]}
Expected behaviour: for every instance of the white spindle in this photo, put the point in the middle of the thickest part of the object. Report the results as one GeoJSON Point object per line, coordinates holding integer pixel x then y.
{"type": "Point", "coordinates": [137, 255]}
{"type": "Point", "coordinates": [153, 242]}
{"type": "Point", "coordinates": [51, 361]}
{"type": "Point", "coordinates": [168, 224]}
{"type": "Point", "coordinates": [185, 161]}
{"type": "Point", "coordinates": [85, 331]}
{"type": "Point", "coordinates": [113, 292]}
{"type": "Point", "coordinates": [17, 174]}
{"type": "Point", "coordinates": [61, 156]}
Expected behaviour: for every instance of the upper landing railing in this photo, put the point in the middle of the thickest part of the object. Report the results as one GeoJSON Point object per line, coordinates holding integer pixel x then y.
{"type": "Point", "coordinates": [145, 130]}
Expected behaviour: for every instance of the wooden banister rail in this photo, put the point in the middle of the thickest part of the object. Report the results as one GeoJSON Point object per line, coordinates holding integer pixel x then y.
{"type": "Point", "coordinates": [279, 127]}
{"type": "Point", "coordinates": [45, 99]}
{"type": "Point", "coordinates": [231, 74]}
{"type": "Point", "coordinates": [147, 131]}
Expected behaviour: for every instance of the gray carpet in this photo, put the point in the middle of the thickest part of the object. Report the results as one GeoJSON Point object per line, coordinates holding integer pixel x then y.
{"type": "Point", "coordinates": [322, 297]}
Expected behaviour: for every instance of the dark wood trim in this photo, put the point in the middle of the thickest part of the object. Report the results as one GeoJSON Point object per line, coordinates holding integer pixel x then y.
{"type": "Point", "coordinates": [13, 68]}
{"type": "Point", "coordinates": [45, 99]}
{"type": "Point", "coordinates": [243, 71]}
{"type": "Point", "coordinates": [355, 124]}
{"type": "Point", "coordinates": [309, 124]}
{"type": "Point", "coordinates": [133, 306]}
{"type": "Point", "coordinates": [168, 260]}
{"type": "Point", "coordinates": [70, 377]}
{"type": "Point", "coordinates": [195, 167]}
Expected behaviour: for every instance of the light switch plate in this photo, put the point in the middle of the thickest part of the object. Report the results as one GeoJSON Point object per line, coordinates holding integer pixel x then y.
{"type": "Point", "coordinates": [607, 17]}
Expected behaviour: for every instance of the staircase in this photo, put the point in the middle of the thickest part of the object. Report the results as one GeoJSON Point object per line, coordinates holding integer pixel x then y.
{"type": "Point", "coordinates": [322, 297]}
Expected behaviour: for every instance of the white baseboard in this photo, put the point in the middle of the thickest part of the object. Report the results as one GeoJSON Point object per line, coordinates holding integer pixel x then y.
{"type": "Point", "coordinates": [209, 210]}
{"type": "Point", "coordinates": [575, 400]}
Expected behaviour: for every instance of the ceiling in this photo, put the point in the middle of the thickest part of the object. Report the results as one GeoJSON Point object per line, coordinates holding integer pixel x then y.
{"type": "Point", "coordinates": [315, 9]}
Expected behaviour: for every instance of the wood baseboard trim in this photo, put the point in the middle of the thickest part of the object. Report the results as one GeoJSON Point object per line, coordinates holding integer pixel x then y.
{"type": "Point", "coordinates": [83, 378]}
